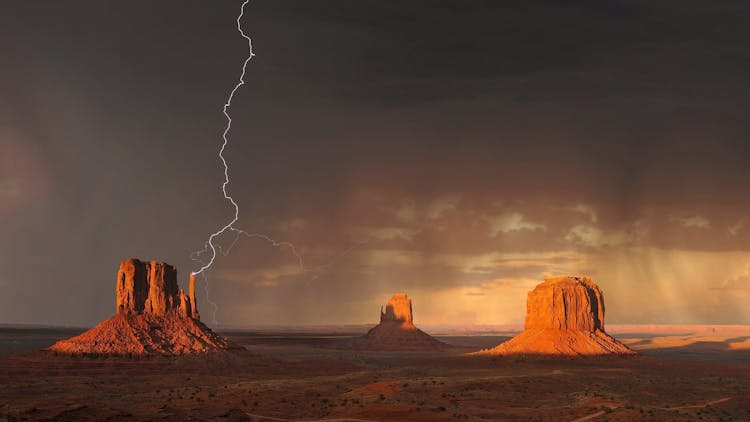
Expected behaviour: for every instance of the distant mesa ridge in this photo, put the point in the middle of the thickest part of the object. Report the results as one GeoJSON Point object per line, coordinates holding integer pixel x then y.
{"type": "Point", "coordinates": [564, 316]}
{"type": "Point", "coordinates": [396, 331]}
{"type": "Point", "coordinates": [153, 316]}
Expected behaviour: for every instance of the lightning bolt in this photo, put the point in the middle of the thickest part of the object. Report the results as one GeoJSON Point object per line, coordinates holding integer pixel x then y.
{"type": "Point", "coordinates": [225, 110]}
{"type": "Point", "coordinates": [210, 248]}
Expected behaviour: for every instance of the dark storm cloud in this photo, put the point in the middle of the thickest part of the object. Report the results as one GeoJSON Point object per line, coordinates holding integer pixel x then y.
{"type": "Point", "coordinates": [429, 138]}
{"type": "Point", "coordinates": [423, 51]}
{"type": "Point", "coordinates": [404, 52]}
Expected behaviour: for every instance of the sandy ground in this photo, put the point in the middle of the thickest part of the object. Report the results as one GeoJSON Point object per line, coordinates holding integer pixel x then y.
{"type": "Point", "coordinates": [683, 373]}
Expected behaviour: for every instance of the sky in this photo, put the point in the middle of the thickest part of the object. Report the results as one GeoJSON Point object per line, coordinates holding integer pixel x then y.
{"type": "Point", "coordinates": [458, 151]}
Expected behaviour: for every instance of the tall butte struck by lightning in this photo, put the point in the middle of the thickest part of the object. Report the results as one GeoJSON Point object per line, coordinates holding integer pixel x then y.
{"type": "Point", "coordinates": [211, 248]}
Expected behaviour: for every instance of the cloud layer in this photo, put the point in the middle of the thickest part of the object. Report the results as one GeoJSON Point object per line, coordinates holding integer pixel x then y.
{"type": "Point", "coordinates": [458, 151]}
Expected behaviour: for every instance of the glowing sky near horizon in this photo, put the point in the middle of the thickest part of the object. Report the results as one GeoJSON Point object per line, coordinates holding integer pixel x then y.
{"type": "Point", "coordinates": [476, 146]}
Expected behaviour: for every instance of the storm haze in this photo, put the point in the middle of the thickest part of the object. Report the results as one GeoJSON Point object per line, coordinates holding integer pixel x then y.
{"type": "Point", "coordinates": [458, 151]}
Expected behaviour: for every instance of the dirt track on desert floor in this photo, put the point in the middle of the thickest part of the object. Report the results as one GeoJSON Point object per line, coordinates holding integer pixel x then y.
{"type": "Point", "coordinates": [286, 377]}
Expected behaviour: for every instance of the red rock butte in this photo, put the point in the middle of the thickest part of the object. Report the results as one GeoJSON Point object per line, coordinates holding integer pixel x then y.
{"type": "Point", "coordinates": [398, 309]}
{"type": "Point", "coordinates": [564, 316]}
{"type": "Point", "coordinates": [396, 331]}
{"type": "Point", "coordinates": [153, 317]}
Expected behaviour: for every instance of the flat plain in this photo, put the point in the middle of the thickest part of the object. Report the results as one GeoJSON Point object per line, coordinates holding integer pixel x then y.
{"type": "Point", "coordinates": [681, 373]}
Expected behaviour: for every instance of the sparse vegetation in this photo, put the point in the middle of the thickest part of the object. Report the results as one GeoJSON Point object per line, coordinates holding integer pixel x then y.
{"type": "Point", "coordinates": [623, 390]}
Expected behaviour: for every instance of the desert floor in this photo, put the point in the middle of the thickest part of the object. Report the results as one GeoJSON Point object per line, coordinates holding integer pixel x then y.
{"type": "Point", "coordinates": [682, 373]}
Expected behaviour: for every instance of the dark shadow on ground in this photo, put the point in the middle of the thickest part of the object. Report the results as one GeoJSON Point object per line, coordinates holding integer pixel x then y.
{"type": "Point", "coordinates": [701, 351]}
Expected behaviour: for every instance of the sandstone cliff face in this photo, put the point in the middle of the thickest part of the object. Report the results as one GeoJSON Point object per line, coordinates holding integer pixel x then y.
{"type": "Point", "coordinates": [132, 286]}
{"type": "Point", "coordinates": [153, 317]}
{"type": "Point", "coordinates": [561, 303]}
{"type": "Point", "coordinates": [564, 316]}
{"type": "Point", "coordinates": [185, 305]}
{"type": "Point", "coordinates": [151, 287]}
{"type": "Point", "coordinates": [398, 309]}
